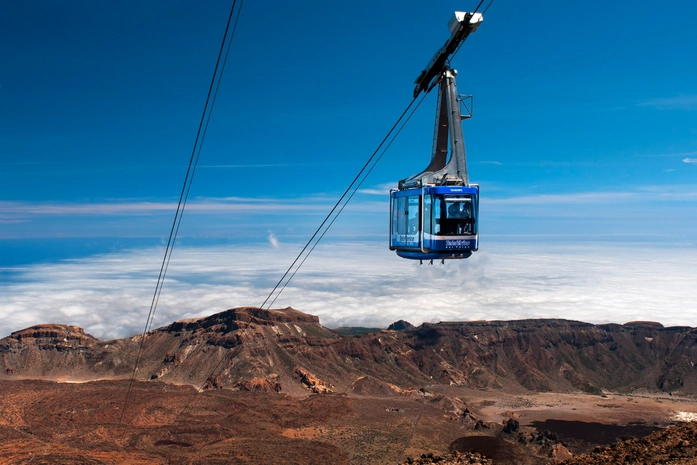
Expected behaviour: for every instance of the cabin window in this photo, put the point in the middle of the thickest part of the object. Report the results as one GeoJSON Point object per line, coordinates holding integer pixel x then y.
{"type": "Point", "coordinates": [397, 214]}
{"type": "Point", "coordinates": [428, 216]}
{"type": "Point", "coordinates": [405, 216]}
{"type": "Point", "coordinates": [454, 215]}
{"type": "Point", "coordinates": [412, 214]}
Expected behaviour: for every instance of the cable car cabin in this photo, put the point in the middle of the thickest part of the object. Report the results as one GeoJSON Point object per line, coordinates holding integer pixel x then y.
{"type": "Point", "coordinates": [434, 214]}
{"type": "Point", "coordinates": [434, 222]}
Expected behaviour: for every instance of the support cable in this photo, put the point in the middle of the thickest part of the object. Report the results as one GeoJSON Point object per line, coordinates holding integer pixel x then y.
{"type": "Point", "coordinates": [360, 173]}
{"type": "Point", "coordinates": [338, 202]}
{"type": "Point", "coordinates": [203, 136]}
{"type": "Point", "coordinates": [186, 188]}
{"type": "Point", "coordinates": [349, 199]}
{"type": "Point", "coordinates": [369, 165]}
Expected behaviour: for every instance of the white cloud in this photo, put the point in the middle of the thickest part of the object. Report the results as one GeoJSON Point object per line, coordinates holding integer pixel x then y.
{"type": "Point", "coordinates": [271, 165]}
{"type": "Point", "coordinates": [671, 208]}
{"type": "Point", "coordinates": [601, 200]}
{"type": "Point", "coordinates": [667, 154]}
{"type": "Point", "coordinates": [352, 284]}
{"type": "Point", "coordinates": [575, 198]}
{"type": "Point", "coordinates": [273, 240]}
{"type": "Point", "coordinates": [690, 160]}
{"type": "Point", "coordinates": [146, 207]}
{"type": "Point", "coordinates": [682, 102]}
{"type": "Point", "coordinates": [380, 189]}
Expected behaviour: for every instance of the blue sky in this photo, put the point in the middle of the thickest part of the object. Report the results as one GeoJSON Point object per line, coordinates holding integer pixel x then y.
{"type": "Point", "coordinates": [584, 129]}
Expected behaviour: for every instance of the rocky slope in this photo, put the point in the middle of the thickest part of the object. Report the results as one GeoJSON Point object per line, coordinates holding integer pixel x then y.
{"type": "Point", "coordinates": [676, 445]}
{"type": "Point", "coordinates": [289, 351]}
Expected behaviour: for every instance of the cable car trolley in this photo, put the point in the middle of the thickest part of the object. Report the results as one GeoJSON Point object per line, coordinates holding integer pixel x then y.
{"type": "Point", "coordinates": [434, 214]}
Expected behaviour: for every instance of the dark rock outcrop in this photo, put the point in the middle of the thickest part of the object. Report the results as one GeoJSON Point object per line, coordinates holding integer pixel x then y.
{"type": "Point", "coordinates": [675, 444]}
{"type": "Point", "coordinates": [401, 325]}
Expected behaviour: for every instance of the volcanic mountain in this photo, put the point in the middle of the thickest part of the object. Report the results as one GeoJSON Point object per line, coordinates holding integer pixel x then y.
{"type": "Point", "coordinates": [289, 351]}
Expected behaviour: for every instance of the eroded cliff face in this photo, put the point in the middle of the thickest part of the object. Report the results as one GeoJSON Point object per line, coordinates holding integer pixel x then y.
{"type": "Point", "coordinates": [37, 351]}
{"type": "Point", "coordinates": [287, 350]}
{"type": "Point", "coordinates": [558, 355]}
{"type": "Point", "coordinates": [242, 347]}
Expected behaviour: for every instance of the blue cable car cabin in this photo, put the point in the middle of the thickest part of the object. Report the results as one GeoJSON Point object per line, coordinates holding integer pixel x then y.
{"type": "Point", "coordinates": [434, 214]}
{"type": "Point", "coordinates": [434, 222]}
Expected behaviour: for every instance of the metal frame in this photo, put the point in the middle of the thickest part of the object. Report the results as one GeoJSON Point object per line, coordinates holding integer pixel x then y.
{"type": "Point", "coordinates": [441, 171]}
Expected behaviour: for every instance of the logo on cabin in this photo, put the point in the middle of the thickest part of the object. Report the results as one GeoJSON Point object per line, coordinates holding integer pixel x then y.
{"type": "Point", "coordinates": [457, 244]}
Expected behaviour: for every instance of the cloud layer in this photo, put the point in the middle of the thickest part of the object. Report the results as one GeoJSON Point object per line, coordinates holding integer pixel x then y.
{"type": "Point", "coordinates": [682, 102]}
{"type": "Point", "coordinates": [360, 284]}
{"type": "Point", "coordinates": [665, 212]}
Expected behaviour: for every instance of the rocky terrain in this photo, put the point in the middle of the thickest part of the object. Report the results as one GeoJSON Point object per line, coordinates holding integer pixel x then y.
{"type": "Point", "coordinates": [290, 351]}
{"type": "Point", "coordinates": [675, 445]}
{"type": "Point", "coordinates": [275, 386]}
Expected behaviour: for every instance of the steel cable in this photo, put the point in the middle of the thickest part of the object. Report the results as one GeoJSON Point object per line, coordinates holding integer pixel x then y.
{"type": "Point", "coordinates": [343, 195]}
{"type": "Point", "coordinates": [338, 202]}
{"type": "Point", "coordinates": [186, 188]}
{"type": "Point", "coordinates": [367, 164]}
{"type": "Point", "coordinates": [370, 165]}
{"type": "Point", "coordinates": [348, 199]}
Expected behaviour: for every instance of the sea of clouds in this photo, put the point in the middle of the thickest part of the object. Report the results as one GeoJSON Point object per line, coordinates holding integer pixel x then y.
{"type": "Point", "coordinates": [359, 284]}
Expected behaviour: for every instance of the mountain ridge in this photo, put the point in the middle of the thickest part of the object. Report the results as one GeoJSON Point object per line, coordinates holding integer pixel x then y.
{"type": "Point", "coordinates": [290, 351]}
